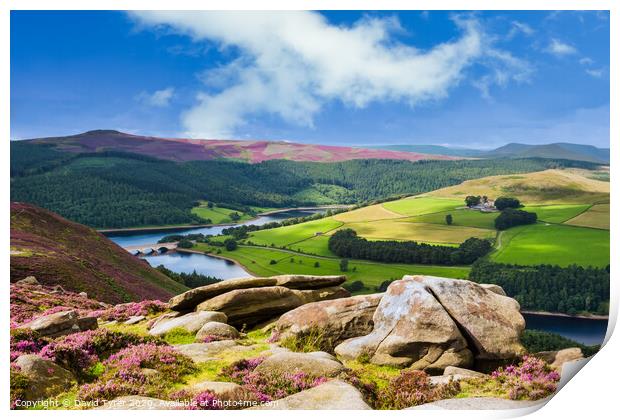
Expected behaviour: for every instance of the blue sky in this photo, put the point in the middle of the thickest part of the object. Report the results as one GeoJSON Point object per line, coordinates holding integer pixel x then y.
{"type": "Point", "coordinates": [462, 79]}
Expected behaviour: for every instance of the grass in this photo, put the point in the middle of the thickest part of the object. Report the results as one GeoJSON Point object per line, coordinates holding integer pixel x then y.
{"type": "Point", "coordinates": [415, 206]}
{"type": "Point", "coordinates": [461, 217]}
{"type": "Point", "coordinates": [422, 232]}
{"type": "Point", "coordinates": [365, 214]}
{"type": "Point", "coordinates": [368, 372]}
{"type": "Point", "coordinates": [558, 213]}
{"type": "Point", "coordinates": [544, 243]}
{"type": "Point", "coordinates": [287, 235]}
{"type": "Point", "coordinates": [218, 214]}
{"type": "Point", "coordinates": [179, 336]}
{"type": "Point", "coordinates": [596, 216]}
{"type": "Point", "coordinates": [257, 261]}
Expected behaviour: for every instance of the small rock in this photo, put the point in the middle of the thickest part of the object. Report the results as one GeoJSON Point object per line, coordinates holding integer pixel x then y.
{"type": "Point", "coordinates": [83, 294]}
{"type": "Point", "coordinates": [494, 288]}
{"type": "Point", "coordinates": [557, 358]}
{"type": "Point", "coordinates": [454, 370]}
{"type": "Point", "coordinates": [215, 387]}
{"type": "Point", "coordinates": [46, 377]}
{"type": "Point", "coordinates": [30, 280]}
{"type": "Point", "coordinates": [204, 352]}
{"type": "Point", "coordinates": [61, 323]}
{"type": "Point", "coordinates": [135, 319]}
{"type": "Point", "coordinates": [316, 364]}
{"type": "Point", "coordinates": [191, 322]}
{"type": "Point", "coordinates": [149, 372]}
{"type": "Point", "coordinates": [332, 395]}
{"type": "Point", "coordinates": [137, 402]}
{"type": "Point", "coordinates": [218, 329]}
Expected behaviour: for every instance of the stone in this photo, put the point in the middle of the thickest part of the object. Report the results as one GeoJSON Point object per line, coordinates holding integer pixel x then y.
{"type": "Point", "coordinates": [492, 322]}
{"type": "Point", "coordinates": [135, 319]}
{"type": "Point", "coordinates": [296, 281]}
{"type": "Point", "coordinates": [137, 402]}
{"type": "Point", "coordinates": [83, 294]}
{"type": "Point", "coordinates": [190, 299]}
{"type": "Point", "coordinates": [205, 352]}
{"type": "Point", "coordinates": [191, 322]}
{"type": "Point", "coordinates": [251, 306]}
{"type": "Point", "coordinates": [61, 323]}
{"type": "Point", "coordinates": [46, 378]}
{"type": "Point", "coordinates": [332, 395]}
{"type": "Point", "coordinates": [478, 403]}
{"type": "Point", "coordinates": [317, 295]}
{"type": "Point", "coordinates": [337, 319]}
{"type": "Point", "coordinates": [494, 288]}
{"type": "Point", "coordinates": [454, 370]}
{"type": "Point", "coordinates": [412, 329]}
{"type": "Point", "coordinates": [30, 280]}
{"type": "Point", "coordinates": [218, 329]}
{"type": "Point", "coordinates": [556, 359]}
{"type": "Point", "coordinates": [215, 387]}
{"type": "Point", "coordinates": [316, 364]}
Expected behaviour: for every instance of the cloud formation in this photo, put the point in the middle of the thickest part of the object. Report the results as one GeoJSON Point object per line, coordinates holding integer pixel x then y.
{"type": "Point", "coordinates": [159, 98]}
{"type": "Point", "coordinates": [290, 64]}
{"type": "Point", "coordinates": [559, 48]}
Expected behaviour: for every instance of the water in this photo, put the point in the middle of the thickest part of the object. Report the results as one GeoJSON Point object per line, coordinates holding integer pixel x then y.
{"type": "Point", "coordinates": [586, 331]}
{"type": "Point", "coordinates": [203, 264]}
{"type": "Point", "coordinates": [136, 238]}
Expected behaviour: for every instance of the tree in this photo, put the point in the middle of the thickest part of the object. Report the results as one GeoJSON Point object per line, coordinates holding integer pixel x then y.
{"type": "Point", "coordinates": [234, 216]}
{"type": "Point", "coordinates": [344, 265]}
{"type": "Point", "coordinates": [185, 243]}
{"type": "Point", "coordinates": [502, 203]}
{"type": "Point", "coordinates": [448, 219]}
{"type": "Point", "coordinates": [210, 204]}
{"type": "Point", "coordinates": [230, 244]}
{"type": "Point", "coordinates": [273, 262]}
{"type": "Point", "coordinates": [355, 286]}
{"type": "Point", "coordinates": [511, 217]}
{"type": "Point", "coordinates": [316, 264]}
{"type": "Point", "coordinates": [472, 200]}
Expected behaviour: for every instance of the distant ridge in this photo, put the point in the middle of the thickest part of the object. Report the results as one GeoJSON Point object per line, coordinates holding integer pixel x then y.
{"type": "Point", "coordinates": [253, 151]}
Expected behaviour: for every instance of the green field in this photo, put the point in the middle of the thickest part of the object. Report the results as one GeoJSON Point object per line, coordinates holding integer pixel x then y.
{"type": "Point", "coordinates": [257, 261]}
{"type": "Point", "coordinates": [218, 214]}
{"type": "Point", "coordinates": [422, 205]}
{"type": "Point", "coordinates": [288, 235]}
{"type": "Point", "coordinates": [544, 243]}
{"type": "Point", "coordinates": [461, 217]}
{"type": "Point", "coordinates": [422, 232]}
{"type": "Point", "coordinates": [558, 213]}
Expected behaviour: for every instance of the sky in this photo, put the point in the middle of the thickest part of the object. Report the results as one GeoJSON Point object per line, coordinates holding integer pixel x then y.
{"type": "Point", "coordinates": [464, 79]}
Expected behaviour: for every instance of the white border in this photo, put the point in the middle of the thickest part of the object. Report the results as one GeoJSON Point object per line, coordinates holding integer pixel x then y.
{"type": "Point", "coordinates": [592, 394]}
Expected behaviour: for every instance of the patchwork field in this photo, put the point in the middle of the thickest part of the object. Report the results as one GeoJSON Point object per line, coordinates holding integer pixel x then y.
{"type": "Point", "coordinates": [596, 216]}
{"type": "Point", "coordinates": [218, 214]}
{"type": "Point", "coordinates": [287, 235]}
{"type": "Point", "coordinates": [415, 206]}
{"type": "Point", "coordinates": [460, 217]}
{"type": "Point", "coordinates": [557, 213]}
{"type": "Point", "coordinates": [421, 232]}
{"type": "Point", "coordinates": [257, 260]}
{"type": "Point", "coordinates": [545, 243]}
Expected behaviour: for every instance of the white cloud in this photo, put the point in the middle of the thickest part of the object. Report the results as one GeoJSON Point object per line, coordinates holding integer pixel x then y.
{"type": "Point", "coordinates": [519, 27]}
{"type": "Point", "coordinates": [596, 72]}
{"type": "Point", "coordinates": [291, 64]}
{"type": "Point", "coordinates": [559, 48]}
{"type": "Point", "coordinates": [586, 61]}
{"type": "Point", "coordinates": [159, 98]}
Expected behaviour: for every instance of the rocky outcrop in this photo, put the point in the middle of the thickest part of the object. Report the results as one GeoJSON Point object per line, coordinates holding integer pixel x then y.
{"type": "Point", "coordinates": [327, 293]}
{"type": "Point", "coordinates": [254, 305]}
{"type": "Point", "coordinates": [494, 288]}
{"type": "Point", "coordinates": [46, 378]}
{"type": "Point", "coordinates": [337, 319]}
{"type": "Point", "coordinates": [556, 359]}
{"type": "Point", "coordinates": [410, 328]}
{"type": "Point", "coordinates": [316, 364]}
{"type": "Point", "coordinates": [30, 280]}
{"type": "Point", "coordinates": [61, 323]}
{"type": "Point", "coordinates": [191, 322]}
{"type": "Point", "coordinates": [491, 322]}
{"type": "Point", "coordinates": [332, 395]}
{"type": "Point", "coordinates": [217, 329]}
{"type": "Point", "coordinates": [192, 298]}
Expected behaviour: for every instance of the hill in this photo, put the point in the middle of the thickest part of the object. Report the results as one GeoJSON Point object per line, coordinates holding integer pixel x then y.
{"type": "Point", "coordinates": [569, 151]}
{"type": "Point", "coordinates": [57, 251]}
{"type": "Point", "coordinates": [431, 149]}
{"type": "Point", "coordinates": [183, 150]}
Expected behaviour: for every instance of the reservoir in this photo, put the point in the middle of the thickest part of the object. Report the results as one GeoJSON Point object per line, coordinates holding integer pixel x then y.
{"type": "Point", "coordinates": [586, 331]}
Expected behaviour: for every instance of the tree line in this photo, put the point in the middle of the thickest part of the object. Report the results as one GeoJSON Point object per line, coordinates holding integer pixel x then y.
{"type": "Point", "coordinates": [551, 288]}
{"type": "Point", "coordinates": [346, 244]}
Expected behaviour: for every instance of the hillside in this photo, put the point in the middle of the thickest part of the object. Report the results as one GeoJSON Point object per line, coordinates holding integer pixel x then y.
{"type": "Point", "coordinates": [57, 251]}
{"type": "Point", "coordinates": [183, 150]}
{"type": "Point", "coordinates": [569, 151]}
{"type": "Point", "coordinates": [432, 149]}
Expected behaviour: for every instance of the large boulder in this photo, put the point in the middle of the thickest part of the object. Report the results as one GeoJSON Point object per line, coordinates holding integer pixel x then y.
{"type": "Point", "coordinates": [412, 329]}
{"type": "Point", "coordinates": [190, 299]}
{"type": "Point", "coordinates": [337, 319]}
{"type": "Point", "coordinates": [556, 359]}
{"type": "Point", "coordinates": [217, 329]}
{"type": "Point", "coordinates": [317, 295]}
{"type": "Point", "coordinates": [191, 322]}
{"type": "Point", "coordinates": [296, 281]}
{"type": "Point", "coordinates": [215, 350]}
{"type": "Point", "coordinates": [332, 395]}
{"type": "Point", "coordinates": [491, 322]}
{"type": "Point", "coordinates": [316, 364]}
{"type": "Point", "coordinates": [30, 281]}
{"type": "Point", "coordinates": [61, 323]}
{"type": "Point", "coordinates": [46, 378]}
{"type": "Point", "coordinates": [251, 306]}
